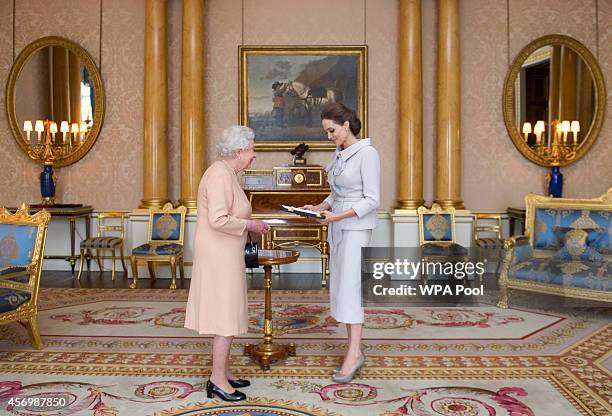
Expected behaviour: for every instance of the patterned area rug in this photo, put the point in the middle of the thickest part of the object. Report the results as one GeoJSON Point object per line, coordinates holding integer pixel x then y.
{"type": "Point", "coordinates": [116, 352]}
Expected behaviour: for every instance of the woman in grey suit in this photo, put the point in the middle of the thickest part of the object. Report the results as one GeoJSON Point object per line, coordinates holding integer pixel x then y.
{"type": "Point", "coordinates": [350, 211]}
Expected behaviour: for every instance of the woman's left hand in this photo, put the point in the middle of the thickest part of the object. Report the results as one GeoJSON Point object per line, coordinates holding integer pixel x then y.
{"type": "Point", "coordinates": [329, 217]}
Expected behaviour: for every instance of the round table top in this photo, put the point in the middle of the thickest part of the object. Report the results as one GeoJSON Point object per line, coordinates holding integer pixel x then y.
{"type": "Point", "coordinates": [275, 257]}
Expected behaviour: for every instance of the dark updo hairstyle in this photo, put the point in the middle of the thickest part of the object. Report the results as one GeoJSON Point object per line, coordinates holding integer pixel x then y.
{"type": "Point", "coordinates": [339, 113]}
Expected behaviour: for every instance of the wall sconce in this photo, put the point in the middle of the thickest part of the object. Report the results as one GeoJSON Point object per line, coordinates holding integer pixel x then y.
{"type": "Point", "coordinates": [575, 128]}
{"type": "Point", "coordinates": [526, 130]}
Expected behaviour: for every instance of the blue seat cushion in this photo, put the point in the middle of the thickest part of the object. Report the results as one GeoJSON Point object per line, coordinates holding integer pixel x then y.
{"type": "Point", "coordinates": [596, 275]}
{"type": "Point", "coordinates": [10, 299]}
{"type": "Point", "coordinates": [453, 249]}
{"type": "Point", "coordinates": [101, 242]}
{"type": "Point", "coordinates": [158, 250]}
{"type": "Point", "coordinates": [11, 269]}
{"type": "Point", "coordinates": [14, 269]}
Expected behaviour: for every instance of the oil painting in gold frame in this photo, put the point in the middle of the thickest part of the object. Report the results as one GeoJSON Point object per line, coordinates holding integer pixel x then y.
{"type": "Point", "coordinates": [284, 88]}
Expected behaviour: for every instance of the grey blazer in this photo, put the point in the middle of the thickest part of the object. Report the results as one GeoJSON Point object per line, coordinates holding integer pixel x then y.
{"type": "Point", "coordinates": [354, 179]}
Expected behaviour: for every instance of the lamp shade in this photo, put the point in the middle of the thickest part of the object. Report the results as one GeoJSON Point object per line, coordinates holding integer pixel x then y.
{"type": "Point", "coordinates": [74, 128]}
{"type": "Point", "coordinates": [64, 127]}
{"type": "Point", "coordinates": [53, 128]}
{"type": "Point", "coordinates": [575, 127]}
{"type": "Point", "coordinates": [539, 127]}
{"type": "Point", "coordinates": [39, 126]}
{"type": "Point", "coordinates": [27, 125]}
{"type": "Point", "coordinates": [527, 127]}
{"type": "Point", "coordinates": [565, 126]}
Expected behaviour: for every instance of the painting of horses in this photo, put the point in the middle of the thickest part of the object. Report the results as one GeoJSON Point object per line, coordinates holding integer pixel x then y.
{"type": "Point", "coordinates": [284, 88]}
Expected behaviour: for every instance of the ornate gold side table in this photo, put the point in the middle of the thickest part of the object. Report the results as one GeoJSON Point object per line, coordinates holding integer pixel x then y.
{"type": "Point", "coordinates": [267, 351]}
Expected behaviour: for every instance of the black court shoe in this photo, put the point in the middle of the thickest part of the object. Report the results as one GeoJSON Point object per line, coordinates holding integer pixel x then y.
{"type": "Point", "coordinates": [211, 390]}
{"type": "Point", "coordinates": [239, 383]}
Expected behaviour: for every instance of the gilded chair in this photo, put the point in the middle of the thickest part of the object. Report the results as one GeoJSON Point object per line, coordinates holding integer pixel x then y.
{"type": "Point", "coordinates": [111, 234]}
{"type": "Point", "coordinates": [487, 233]}
{"type": "Point", "coordinates": [437, 235]}
{"type": "Point", "coordinates": [22, 245]}
{"type": "Point", "coordinates": [166, 232]}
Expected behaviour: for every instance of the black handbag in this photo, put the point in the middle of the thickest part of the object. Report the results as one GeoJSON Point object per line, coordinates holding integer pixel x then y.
{"type": "Point", "coordinates": [251, 260]}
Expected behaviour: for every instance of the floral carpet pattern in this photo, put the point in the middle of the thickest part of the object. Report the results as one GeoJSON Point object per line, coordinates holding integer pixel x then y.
{"type": "Point", "coordinates": [116, 352]}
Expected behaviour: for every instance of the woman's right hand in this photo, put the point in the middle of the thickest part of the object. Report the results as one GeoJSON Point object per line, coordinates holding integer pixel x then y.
{"type": "Point", "coordinates": [257, 226]}
{"type": "Point", "coordinates": [310, 207]}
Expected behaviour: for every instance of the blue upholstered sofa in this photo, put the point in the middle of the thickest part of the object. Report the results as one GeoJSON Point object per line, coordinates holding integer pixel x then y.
{"type": "Point", "coordinates": [566, 249]}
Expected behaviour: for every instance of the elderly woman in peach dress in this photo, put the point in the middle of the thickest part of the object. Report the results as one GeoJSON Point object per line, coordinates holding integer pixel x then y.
{"type": "Point", "coordinates": [217, 301]}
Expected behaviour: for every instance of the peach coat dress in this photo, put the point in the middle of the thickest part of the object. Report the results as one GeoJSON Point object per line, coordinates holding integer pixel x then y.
{"type": "Point", "coordinates": [217, 302]}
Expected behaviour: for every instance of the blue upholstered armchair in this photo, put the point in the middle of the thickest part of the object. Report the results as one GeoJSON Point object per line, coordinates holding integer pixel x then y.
{"type": "Point", "coordinates": [22, 244]}
{"type": "Point", "coordinates": [166, 233]}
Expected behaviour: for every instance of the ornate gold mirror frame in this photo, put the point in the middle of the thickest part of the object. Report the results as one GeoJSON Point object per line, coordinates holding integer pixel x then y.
{"type": "Point", "coordinates": [72, 153]}
{"type": "Point", "coordinates": [558, 155]}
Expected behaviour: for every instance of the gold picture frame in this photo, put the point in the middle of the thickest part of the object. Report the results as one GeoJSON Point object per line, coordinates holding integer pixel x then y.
{"type": "Point", "coordinates": [284, 88]}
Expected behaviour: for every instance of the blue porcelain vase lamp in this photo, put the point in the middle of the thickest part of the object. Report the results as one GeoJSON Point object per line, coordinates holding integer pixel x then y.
{"type": "Point", "coordinates": [555, 182]}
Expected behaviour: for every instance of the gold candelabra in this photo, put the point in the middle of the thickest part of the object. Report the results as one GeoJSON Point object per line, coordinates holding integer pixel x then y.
{"type": "Point", "coordinates": [46, 148]}
{"type": "Point", "coordinates": [558, 148]}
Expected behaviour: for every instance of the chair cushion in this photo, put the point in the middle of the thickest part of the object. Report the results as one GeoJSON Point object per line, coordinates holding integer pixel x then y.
{"type": "Point", "coordinates": [594, 235]}
{"type": "Point", "coordinates": [11, 269]}
{"type": "Point", "coordinates": [489, 243]}
{"type": "Point", "coordinates": [578, 273]}
{"type": "Point", "coordinates": [157, 250]}
{"type": "Point", "coordinates": [575, 247]}
{"type": "Point", "coordinates": [14, 269]}
{"type": "Point", "coordinates": [453, 249]}
{"type": "Point", "coordinates": [546, 219]}
{"type": "Point", "coordinates": [101, 242]}
{"type": "Point", "coordinates": [10, 299]}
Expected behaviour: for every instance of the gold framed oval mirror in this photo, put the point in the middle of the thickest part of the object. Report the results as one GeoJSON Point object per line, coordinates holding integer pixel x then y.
{"type": "Point", "coordinates": [554, 100]}
{"type": "Point", "coordinates": [55, 101]}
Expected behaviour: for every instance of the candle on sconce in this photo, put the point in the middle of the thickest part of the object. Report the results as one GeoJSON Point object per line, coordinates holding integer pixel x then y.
{"type": "Point", "coordinates": [39, 127]}
{"type": "Point", "coordinates": [27, 127]}
{"type": "Point", "coordinates": [64, 129]}
{"type": "Point", "coordinates": [538, 129]}
{"type": "Point", "coordinates": [565, 128]}
{"type": "Point", "coordinates": [53, 130]}
{"type": "Point", "coordinates": [575, 128]}
{"type": "Point", "coordinates": [526, 130]}
{"type": "Point", "coordinates": [83, 130]}
{"type": "Point", "coordinates": [74, 129]}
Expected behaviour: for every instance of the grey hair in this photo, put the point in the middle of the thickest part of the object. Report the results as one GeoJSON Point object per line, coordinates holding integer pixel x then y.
{"type": "Point", "coordinates": [233, 139]}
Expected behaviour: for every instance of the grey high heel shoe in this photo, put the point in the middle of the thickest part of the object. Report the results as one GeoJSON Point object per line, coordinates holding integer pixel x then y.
{"type": "Point", "coordinates": [338, 377]}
